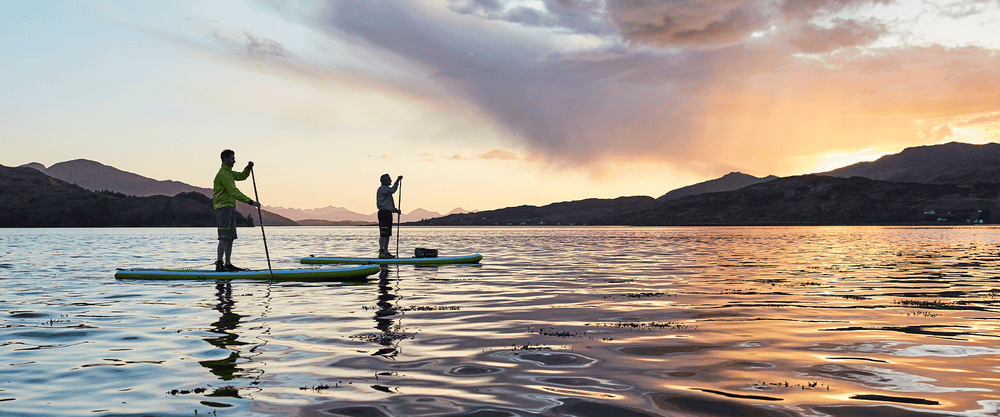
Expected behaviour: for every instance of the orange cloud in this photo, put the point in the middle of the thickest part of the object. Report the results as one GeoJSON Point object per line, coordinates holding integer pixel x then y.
{"type": "Point", "coordinates": [681, 83]}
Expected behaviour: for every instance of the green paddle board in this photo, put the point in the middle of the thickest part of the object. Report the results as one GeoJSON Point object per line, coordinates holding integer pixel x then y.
{"type": "Point", "coordinates": [443, 260]}
{"type": "Point", "coordinates": [350, 273]}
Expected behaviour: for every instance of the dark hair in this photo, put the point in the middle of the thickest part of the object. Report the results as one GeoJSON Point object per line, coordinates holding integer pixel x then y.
{"type": "Point", "coordinates": [227, 152]}
{"type": "Point", "coordinates": [386, 179]}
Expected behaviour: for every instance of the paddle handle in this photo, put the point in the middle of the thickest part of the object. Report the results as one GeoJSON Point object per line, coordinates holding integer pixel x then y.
{"type": "Point", "coordinates": [260, 217]}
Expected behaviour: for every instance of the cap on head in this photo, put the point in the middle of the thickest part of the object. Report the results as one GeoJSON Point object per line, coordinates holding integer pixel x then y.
{"type": "Point", "coordinates": [386, 179]}
{"type": "Point", "coordinates": [227, 153]}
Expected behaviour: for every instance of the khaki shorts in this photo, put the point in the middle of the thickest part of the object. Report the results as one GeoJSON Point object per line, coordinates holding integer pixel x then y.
{"type": "Point", "coordinates": [226, 219]}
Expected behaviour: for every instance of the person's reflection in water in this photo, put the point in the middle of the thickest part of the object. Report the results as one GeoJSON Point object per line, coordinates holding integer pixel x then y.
{"type": "Point", "coordinates": [226, 368]}
{"type": "Point", "coordinates": [383, 317]}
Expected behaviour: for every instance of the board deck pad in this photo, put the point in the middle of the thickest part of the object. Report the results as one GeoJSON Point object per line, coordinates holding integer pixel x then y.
{"type": "Point", "coordinates": [441, 260]}
{"type": "Point", "coordinates": [348, 273]}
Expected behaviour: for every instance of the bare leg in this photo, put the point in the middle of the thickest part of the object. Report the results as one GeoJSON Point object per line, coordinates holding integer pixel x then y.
{"type": "Point", "coordinates": [225, 251]}
{"type": "Point", "coordinates": [229, 252]}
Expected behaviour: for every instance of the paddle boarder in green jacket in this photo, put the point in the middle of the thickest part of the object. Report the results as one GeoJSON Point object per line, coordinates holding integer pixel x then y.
{"type": "Point", "coordinates": [386, 206]}
{"type": "Point", "coordinates": [224, 197]}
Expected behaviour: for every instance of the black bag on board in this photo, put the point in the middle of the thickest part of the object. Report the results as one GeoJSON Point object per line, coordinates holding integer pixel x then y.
{"type": "Point", "coordinates": [425, 253]}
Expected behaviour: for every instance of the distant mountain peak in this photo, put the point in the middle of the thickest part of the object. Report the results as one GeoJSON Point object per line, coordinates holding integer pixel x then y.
{"type": "Point", "coordinates": [34, 165]}
{"type": "Point", "coordinates": [952, 162]}
{"type": "Point", "coordinates": [729, 182]}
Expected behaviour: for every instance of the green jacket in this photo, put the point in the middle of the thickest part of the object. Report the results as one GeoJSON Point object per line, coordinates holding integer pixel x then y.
{"type": "Point", "coordinates": [224, 191]}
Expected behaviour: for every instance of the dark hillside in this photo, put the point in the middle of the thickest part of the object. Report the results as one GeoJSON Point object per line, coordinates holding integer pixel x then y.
{"type": "Point", "coordinates": [822, 200]}
{"type": "Point", "coordinates": [570, 212]}
{"type": "Point", "coordinates": [949, 163]}
{"type": "Point", "coordinates": [729, 182]}
{"type": "Point", "coordinates": [29, 198]}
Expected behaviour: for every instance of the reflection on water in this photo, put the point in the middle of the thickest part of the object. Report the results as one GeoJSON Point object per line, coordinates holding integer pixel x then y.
{"type": "Point", "coordinates": [795, 321]}
{"type": "Point", "coordinates": [391, 330]}
{"type": "Point", "coordinates": [225, 369]}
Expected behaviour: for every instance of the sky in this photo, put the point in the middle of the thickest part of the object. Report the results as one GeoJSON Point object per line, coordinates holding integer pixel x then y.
{"type": "Point", "coordinates": [484, 104]}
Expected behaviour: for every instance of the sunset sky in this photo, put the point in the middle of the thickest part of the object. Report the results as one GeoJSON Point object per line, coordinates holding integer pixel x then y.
{"type": "Point", "coordinates": [483, 104]}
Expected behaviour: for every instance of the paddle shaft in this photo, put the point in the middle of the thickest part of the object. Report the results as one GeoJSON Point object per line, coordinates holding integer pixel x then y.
{"type": "Point", "coordinates": [399, 216]}
{"type": "Point", "coordinates": [261, 218]}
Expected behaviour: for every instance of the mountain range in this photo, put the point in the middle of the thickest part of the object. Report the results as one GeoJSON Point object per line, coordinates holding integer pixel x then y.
{"type": "Point", "coordinates": [29, 198]}
{"type": "Point", "coordinates": [341, 215]}
{"type": "Point", "coordinates": [948, 183]}
{"type": "Point", "coordinates": [96, 176]}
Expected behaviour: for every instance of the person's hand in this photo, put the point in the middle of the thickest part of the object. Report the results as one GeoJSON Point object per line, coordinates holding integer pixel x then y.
{"type": "Point", "coordinates": [399, 211]}
{"type": "Point", "coordinates": [399, 178]}
{"type": "Point", "coordinates": [250, 165]}
{"type": "Point", "coordinates": [255, 204]}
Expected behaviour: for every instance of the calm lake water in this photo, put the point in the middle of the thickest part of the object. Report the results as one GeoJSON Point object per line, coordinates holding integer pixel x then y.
{"type": "Point", "coordinates": [582, 321]}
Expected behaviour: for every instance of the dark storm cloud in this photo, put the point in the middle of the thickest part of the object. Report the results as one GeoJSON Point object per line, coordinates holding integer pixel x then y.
{"type": "Point", "coordinates": [723, 102]}
{"type": "Point", "coordinates": [733, 26]}
{"type": "Point", "coordinates": [804, 9]}
{"type": "Point", "coordinates": [682, 23]}
{"type": "Point", "coordinates": [845, 33]}
{"type": "Point", "coordinates": [580, 16]}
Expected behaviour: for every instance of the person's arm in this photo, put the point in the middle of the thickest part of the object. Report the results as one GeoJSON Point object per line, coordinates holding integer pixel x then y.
{"type": "Point", "coordinates": [396, 185]}
{"type": "Point", "coordinates": [240, 176]}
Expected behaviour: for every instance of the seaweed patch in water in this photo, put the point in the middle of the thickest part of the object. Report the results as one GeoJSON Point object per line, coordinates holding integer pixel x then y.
{"type": "Point", "coordinates": [936, 304]}
{"type": "Point", "coordinates": [647, 325]}
{"type": "Point", "coordinates": [185, 392]}
{"type": "Point", "coordinates": [226, 391]}
{"type": "Point", "coordinates": [849, 296]}
{"type": "Point", "coordinates": [922, 313]}
{"type": "Point", "coordinates": [551, 331]}
{"type": "Point", "coordinates": [888, 398]}
{"type": "Point", "coordinates": [640, 295]}
{"type": "Point", "coordinates": [529, 346]}
{"type": "Point", "coordinates": [385, 338]}
{"type": "Point", "coordinates": [430, 308]}
{"type": "Point", "coordinates": [785, 384]}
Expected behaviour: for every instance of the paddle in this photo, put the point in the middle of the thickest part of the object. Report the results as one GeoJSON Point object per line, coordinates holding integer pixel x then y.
{"type": "Point", "coordinates": [261, 218]}
{"type": "Point", "coordinates": [399, 217]}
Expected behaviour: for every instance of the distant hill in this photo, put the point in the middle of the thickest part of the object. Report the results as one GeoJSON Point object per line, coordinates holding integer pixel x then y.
{"type": "Point", "coordinates": [822, 200]}
{"type": "Point", "coordinates": [729, 182]}
{"type": "Point", "coordinates": [329, 213]}
{"type": "Point", "coordinates": [950, 163]}
{"type": "Point", "coordinates": [96, 176]}
{"type": "Point", "coordinates": [317, 222]}
{"type": "Point", "coordinates": [953, 183]}
{"type": "Point", "coordinates": [343, 216]}
{"type": "Point", "coordinates": [29, 198]}
{"type": "Point", "coordinates": [564, 213]}
{"type": "Point", "coordinates": [419, 214]}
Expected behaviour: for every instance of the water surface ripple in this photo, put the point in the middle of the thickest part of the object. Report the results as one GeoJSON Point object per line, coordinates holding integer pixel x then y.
{"type": "Point", "coordinates": [582, 321]}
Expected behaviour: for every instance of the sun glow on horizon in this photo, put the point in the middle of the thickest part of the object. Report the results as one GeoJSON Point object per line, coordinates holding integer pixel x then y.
{"type": "Point", "coordinates": [834, 160]}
